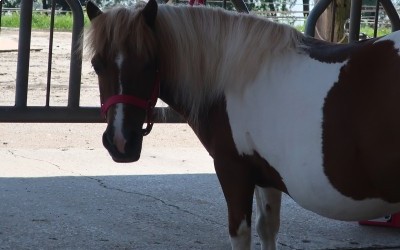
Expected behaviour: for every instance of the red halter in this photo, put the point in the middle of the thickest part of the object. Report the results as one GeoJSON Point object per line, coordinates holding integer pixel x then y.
{"type": "Point", "coordinates": [147, 105]}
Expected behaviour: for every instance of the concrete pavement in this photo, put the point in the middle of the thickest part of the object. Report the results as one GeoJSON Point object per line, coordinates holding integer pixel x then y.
{"type": "Point", "coordinates": [77, 198]}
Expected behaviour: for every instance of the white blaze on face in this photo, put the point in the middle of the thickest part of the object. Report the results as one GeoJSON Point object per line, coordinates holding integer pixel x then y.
{"type": "Point", "coordinates": [119, 139]}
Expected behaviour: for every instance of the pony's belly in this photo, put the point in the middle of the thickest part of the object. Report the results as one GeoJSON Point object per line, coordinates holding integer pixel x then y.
{"type": "Point", "coordinates": [280, 117]}
{"type": "Point", "coordinates": [344, 208]}
{"type": "Point", "coordinates": [322, 198]}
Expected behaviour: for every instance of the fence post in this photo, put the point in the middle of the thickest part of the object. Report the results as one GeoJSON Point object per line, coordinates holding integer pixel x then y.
{"type": "Point", "coordinates": [76, 53]}
{"type": "Point", "coordinates": [1, 11]}
{"type": "Point", "coordinates": [355, 17]}
{"type": "Point", "coordinates": [24, 45]}
{"type": "Point", "coordinates": [315, 13]}
{"type": "Point", "coordinates": [392, 14]}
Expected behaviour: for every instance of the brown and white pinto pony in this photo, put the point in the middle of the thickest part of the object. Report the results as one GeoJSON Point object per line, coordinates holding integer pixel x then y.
{"type": "Point", "coordinates": [277, 111]}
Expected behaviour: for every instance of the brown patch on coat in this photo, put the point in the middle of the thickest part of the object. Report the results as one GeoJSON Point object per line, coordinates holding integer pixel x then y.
{"type": "Point", "coordinates": [215, 133]}
{"type": "Point", "coordinates": [361, 126]}
{"type": "Point", "coordinates": [237, 174]}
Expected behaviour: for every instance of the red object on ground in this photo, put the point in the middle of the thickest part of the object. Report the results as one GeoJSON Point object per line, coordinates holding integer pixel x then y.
{"type": "Point", "coordinates": [392, 220]}
{"type": "Point", "coordinates": [196, 2]}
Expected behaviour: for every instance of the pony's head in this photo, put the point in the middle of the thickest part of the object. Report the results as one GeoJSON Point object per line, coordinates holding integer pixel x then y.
{"type": "Point", "coordinates": [124, 52]}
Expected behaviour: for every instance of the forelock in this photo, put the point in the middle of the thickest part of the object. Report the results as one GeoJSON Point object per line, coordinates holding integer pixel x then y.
{"type": "Point", "coordinates": [121, 29]}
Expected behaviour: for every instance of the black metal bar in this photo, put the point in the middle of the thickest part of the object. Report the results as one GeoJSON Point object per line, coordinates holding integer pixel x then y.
{"type": "Point", "coordinates": [1, 11]}
{"type": "Point", "coordinates": [392, 14]}
{"type": "Point", "coordinates": [72, 115]}
{"type": "Point", "coordinates": [24, 44]}
{"type": "Point", "coordinates": [315, 13]}
{"type": "Point", "coordinates": [355, 20]}
{"type": "Point", "coordinates": [224, 4]}
{"type": "Point", "coordinates": [376, 18]}
{"type": "Point", "coordinates": [240, 6]}
{"type": "Point", "coordinates": [76, 53]}
{"type": "Point", "coordinates": [50, 60]}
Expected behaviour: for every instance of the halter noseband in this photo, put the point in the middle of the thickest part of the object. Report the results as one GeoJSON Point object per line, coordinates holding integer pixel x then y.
{"type": "Point", "coordinates": [147, 105]}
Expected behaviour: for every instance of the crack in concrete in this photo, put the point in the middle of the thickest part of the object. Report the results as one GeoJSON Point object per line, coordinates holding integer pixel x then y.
{"type": "Point", "coordinates": [102, 184]}
{"type": "Point", "coordinates": [40, 160]}
{"type": "Point", "coordinates": [285, 245]}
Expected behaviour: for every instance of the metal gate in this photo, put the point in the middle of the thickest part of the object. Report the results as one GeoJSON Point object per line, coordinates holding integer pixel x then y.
{"type": "Point", "coordinates": [355, 16]}
{"type": "Point", "coordinates": [73, 112]}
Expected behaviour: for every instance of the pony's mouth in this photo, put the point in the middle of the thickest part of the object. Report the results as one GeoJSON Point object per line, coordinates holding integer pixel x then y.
{"type": "Point", "coordinates": [132, 153]}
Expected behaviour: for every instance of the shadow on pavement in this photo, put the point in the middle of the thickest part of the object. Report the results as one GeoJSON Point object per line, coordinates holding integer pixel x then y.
{"type": "Point", "coordinates": [179, 211]}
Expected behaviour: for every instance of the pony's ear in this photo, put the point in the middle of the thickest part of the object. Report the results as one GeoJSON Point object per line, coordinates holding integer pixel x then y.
{"type": "Point", "coordinates": [150, 12]}
{"type": "Point", "coordinates": [92, 10]}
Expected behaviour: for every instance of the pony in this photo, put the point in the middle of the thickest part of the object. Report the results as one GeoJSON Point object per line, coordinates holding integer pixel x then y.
{"type": "Point", "coordinates": [276, 110]}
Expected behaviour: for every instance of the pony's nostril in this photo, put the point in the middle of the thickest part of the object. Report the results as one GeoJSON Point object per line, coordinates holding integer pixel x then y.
{"type": "Point", "coordinates": [125, 148]}
{"type": "Point", "coordinates": [107, 140]}
{"type": "Point", "coordinates": [120, 143]}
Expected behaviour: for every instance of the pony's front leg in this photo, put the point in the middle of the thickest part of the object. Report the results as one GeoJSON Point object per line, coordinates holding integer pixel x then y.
{"type": "Point", "coordinates": [268, 216]}
{"type": "Point", "coordinates": [238, 187]}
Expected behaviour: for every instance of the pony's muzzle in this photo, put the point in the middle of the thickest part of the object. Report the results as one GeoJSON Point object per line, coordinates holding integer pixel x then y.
{"type": "Point", "coordinates": [130, 151]}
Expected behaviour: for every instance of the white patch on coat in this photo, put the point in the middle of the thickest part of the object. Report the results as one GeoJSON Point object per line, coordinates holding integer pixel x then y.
{"type": "Point", "coordinates": [395, 37]}
{"type": "Point", "coordinates": [119, 139]}
{"type": "Point", "coordinates": [268, 201]}
{"type": "Point", "coordinates": [243, 239]}
{"type": "Point", "coordinates": [279, 115]}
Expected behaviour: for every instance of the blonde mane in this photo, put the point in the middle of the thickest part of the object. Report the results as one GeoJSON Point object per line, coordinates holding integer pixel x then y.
{"type": "Point", "coordinates": [201, 51]}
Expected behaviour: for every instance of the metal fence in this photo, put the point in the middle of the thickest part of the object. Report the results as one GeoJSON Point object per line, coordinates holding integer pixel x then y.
{"type": "Point", "coordinates": [73, 112]}
{"type": "Point", "coordinates": [355, 17]}
{"type": "Point", "coordinates": [1, 11]}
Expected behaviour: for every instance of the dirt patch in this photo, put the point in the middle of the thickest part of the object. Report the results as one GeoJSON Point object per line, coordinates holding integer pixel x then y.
{"type": "Point", "coordinates": [38, 71]}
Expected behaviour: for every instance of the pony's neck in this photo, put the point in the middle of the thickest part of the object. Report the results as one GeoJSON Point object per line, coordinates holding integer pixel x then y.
{"type": "Point", "coordinates": [203, 51]}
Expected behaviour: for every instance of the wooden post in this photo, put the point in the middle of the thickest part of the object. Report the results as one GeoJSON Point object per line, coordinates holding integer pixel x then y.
{"type": "Point", "coordinates": [330, 26]}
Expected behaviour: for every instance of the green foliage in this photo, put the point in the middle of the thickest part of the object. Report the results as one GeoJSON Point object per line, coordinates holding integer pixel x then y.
{"type": "Point", "coordinates": [63, 22]}
{"type": "Point", "coordinates": [10, 20]}
{"type": "Point", "coordinates": [41, 21]}
{"type": "Point", "coordinates": [370, 31]}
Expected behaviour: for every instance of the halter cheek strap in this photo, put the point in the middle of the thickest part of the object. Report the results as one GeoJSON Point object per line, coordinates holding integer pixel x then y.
{"type": "Point", "coordinates": [147, 105]}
